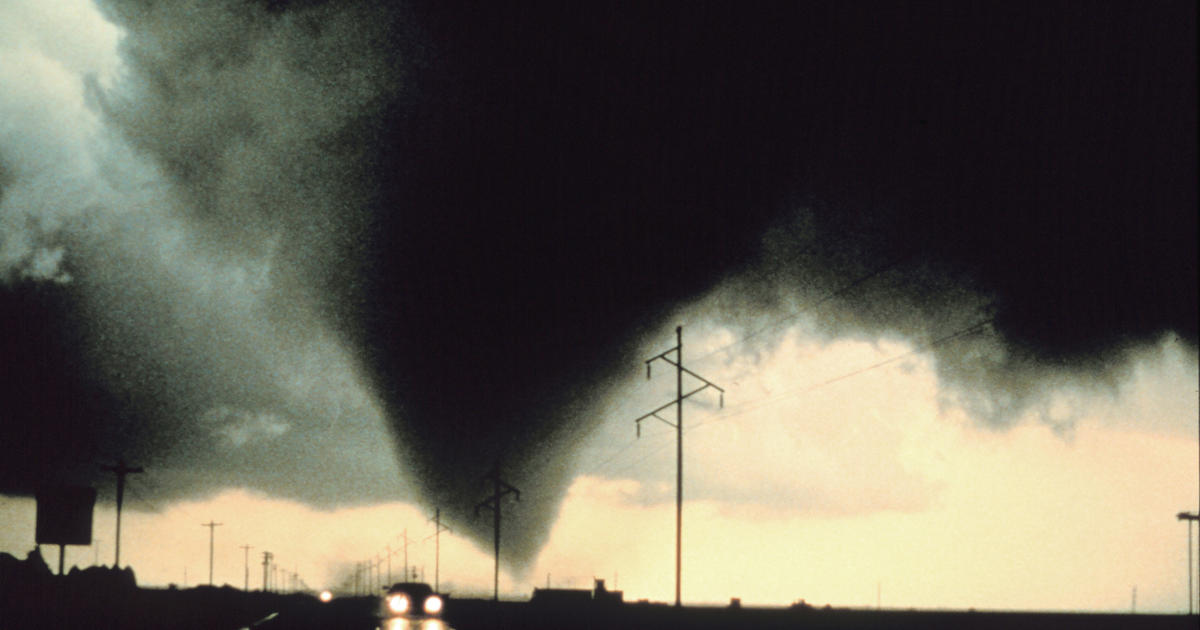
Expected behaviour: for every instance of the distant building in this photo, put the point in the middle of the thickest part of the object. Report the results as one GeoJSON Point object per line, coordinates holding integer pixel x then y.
{"type": "Point", "coordinates": [561, 597]}
{"type": "Point", "coordinates": [602, 595]}
{"type": "Point", "coordinates": [576, 597]}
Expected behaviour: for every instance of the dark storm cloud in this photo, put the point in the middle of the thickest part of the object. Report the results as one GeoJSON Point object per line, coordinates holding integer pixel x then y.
{"type": "Point", "coordinates": [175, 239]}
{"type": "Point", "coordinates": [491, 206]}
{"type": "Point", "coordinates": [568, 175]}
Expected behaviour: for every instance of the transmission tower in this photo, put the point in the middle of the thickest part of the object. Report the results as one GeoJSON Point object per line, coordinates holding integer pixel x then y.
{"type": "Point", "coordinates": [211, 528]}
{"type": "Point", "coordinates": [407, 541]}
{"type": "Point", "coordinates": [500, 490]}
{"type": "Point", "coordinates": [438, 528]}
{"type": "Point", "coordinates": [121, 470]}
{"type": "Point", "coordinates": [678, 425]}
{"type": "Point", "coordinates": [246, 566]}
{"type": "Point", "coordinates": [267, 557]}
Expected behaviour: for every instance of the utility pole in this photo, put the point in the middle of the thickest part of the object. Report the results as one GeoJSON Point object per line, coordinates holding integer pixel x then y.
{"type": "Point", "coordinates": [678, 424]}
{"type": "Point", "coordinates": [500, 489]}
{"type": "Point", "coordinates": [121, 470]}
{"type": "Point", "coordinates": [1184, 516]}
{"type": "Point", "coordinates": [267, 556]}
{"type": "Point", "coordinates": [407, 542]}
{"type": "Point", "coordinates": [246, 565]}
{"type": "Point", "coordinates": [211, 528]}
{"type": "Point", "coordinates": [438, 528]}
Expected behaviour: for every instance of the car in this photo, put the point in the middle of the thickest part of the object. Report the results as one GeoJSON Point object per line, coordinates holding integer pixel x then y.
{"type": "Point", "coordinates": [412, 600]}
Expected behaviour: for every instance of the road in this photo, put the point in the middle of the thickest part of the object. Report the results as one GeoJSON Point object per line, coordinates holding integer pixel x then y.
{"type": "Point", "coordinates": [56, 604]}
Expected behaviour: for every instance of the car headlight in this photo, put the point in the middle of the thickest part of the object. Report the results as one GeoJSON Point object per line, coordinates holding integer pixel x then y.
{"type": "Point", "coordinates": [433, 605]}
{"type": "Point", "coordinates": [398, 604]}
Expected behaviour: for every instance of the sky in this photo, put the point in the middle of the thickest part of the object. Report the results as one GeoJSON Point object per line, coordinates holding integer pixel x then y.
{"type": "Point", "coordinates": [320, 266]}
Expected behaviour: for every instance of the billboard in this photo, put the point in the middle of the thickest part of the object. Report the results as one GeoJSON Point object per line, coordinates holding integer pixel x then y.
{"type": "Point", "coordinates": [64, 515]}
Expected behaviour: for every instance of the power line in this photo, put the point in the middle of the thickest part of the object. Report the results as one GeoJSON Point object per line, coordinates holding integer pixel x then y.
{"type": "Point", "coordinates": [500, 490]}
{"type": "Point", "coordinates": [121, 470]}
{"type": "Point", "coordinates": [616, 453]}
{"type": "Point", "coordinates": [629, 466]}
{"type": "Point", "coordinates": [755, 405]}
{"type": "Point", "coordinates": [407, 541]}
{"type": "Point", "coordinates": [678, 424]}
{"type": "Point", "coordinates": [211, 529]}
{"type": "Point", "coordinates": [377, 564]}
{"type": "Point", "coordinates": [776, 324]}
{"type": "Point", "coordinates": [266, 564]}
{"type": "Point", "coordinates": [246, 565]}
{"type": "Point", "coordinates": [438, 528]}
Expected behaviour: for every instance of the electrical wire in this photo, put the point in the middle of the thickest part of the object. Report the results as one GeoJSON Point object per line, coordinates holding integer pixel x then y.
{"type": "Point", "coordinates": [758, 404]}
{"type": "Point", "coordinates": [795, 391]}
{"type": "Point", "coordinates": [786, 319]}
{"type": "Point", "coordinates": [775, 325]}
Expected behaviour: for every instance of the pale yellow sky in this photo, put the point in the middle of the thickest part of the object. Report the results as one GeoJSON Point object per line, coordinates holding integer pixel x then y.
{"type": "Point", "coordinates": [824, 495]}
